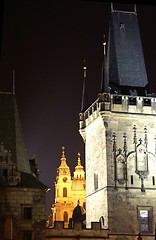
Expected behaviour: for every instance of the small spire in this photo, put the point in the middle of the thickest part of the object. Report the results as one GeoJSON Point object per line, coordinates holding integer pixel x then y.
{"type": "Point", "coordinates": [63, 152]}
{"type": "Point", "coordinates": [104, 45]}
{"type": "Point", "coordinates": [104, 82]}
{"type": "Point", "coordinates": [111, 7]}
{"type": "Point", "coordinates": [14, 82]}
{"type": "Point", "coordinates": [84, 103]}
{"type": "Point", "coordinates": [135, 8]}
{"type": "Point", "coordinates": [79, 160]}
{"type": "Point", "coordinates": [84, 69]}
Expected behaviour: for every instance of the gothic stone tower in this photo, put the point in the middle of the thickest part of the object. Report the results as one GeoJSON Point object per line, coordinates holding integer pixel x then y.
{"type": "Point", "coordinates": [119, 131]}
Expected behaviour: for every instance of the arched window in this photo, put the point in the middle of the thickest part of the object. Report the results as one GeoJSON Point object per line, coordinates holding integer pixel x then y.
{"type": "Point", "coordinates": [95, 181]}
{"type": "Point", "coordinates": [65, 217]}
{"type": "Point", "coordinates": [101, 220]}
{"type": "Point", "coordinates": [64, 192]}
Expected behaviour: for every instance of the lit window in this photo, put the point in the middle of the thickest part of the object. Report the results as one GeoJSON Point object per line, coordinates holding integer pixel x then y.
{"type": "Point", "coordinates": [65, 217]}
{"type": "Point", "coordinates": [57, 192]}
{"type": "Point", "coordinates": [145, 219]}
{"type": "Point", "coordinates": [64, 192]}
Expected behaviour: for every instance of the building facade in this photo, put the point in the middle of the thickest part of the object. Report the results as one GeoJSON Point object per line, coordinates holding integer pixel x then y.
{"type": "Point", "coordinates": [69, 191]}
{"type": "Point", "coordinates": [22, 195]}
{"type": "Point", "coordinates": [118, 130]}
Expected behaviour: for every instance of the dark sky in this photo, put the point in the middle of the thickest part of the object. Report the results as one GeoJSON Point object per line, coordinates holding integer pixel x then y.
{"type": "Point", "coordinates": [45, 42]}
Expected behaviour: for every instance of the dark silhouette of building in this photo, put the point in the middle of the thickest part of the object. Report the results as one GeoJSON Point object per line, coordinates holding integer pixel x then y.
{"type": "Point", "coordinates": [22, 195]}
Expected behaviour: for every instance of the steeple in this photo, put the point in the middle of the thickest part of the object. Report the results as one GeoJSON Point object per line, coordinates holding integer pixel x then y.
{"type": "Point", "coordinates": [11, 132]}
{"type": "Point", "coordinates": [120, 167]}
{"type": "Point", "coordinates": [104, 81]}
{"type": "Point", "coordinates": [13, 82]}
{"type": "Point", "coordinates": [126, 66]}
{"type": "Point", "coordinates": [79, 160]}
{"type": "Point", "coordinates": [63, 168]}
{"type": "Point", "coordinates": [84, 103]}
{"type": "Point", "coordinates": [68, 191]}
{"type": "Point", "coordinates": [79, 171]}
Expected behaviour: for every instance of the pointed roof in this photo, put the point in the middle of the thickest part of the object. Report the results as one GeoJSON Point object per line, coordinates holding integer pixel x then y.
{"type": "Point", "coordinates": [79, 172]}
{"type": "Point", "coordinates": [79, 166]}
{"type": "Point", "coordinates": [126, 66]}
{"type": "Point", "coordinates": [63, 168]}
{"type": "Point", "coordinates": [84, 104]}
{"type": "Point", "coordinates": [104, 80]}
{"type": "Point", "coordinates": [11, 132]}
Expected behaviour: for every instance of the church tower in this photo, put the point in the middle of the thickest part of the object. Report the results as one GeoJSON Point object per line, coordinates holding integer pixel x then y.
{"type": "Point", "coordinates": [79, 185]}
{"type": "Point", "coordinates": [68, 191]}
{"type": "Point", "coordinates": [119, 132]}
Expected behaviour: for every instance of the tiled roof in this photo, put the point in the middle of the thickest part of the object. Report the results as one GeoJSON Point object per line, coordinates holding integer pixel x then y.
{"type": "Point", "coordinates": [29, 181]}
{"type": "Point", "coordinates": [126, 64]}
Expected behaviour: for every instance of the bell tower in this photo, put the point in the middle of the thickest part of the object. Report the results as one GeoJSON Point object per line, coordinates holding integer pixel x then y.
{"type": "Point", "coordinates": [79, 185]}
{"type": "Point", "coordinates": [62, 209]}
{"type": "Point", "coordinates": [119, 130]}
{"type": "Point", "coordinates": [68, 191]}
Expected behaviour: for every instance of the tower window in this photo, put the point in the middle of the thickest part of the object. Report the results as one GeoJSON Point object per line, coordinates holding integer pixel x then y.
{"type": "Point", "coordinates": [153, 180]}
{"type": "Point", "coordinates": [95, 181]}
{"type": "Point", "coordinates": [65, 216]}
{"type": "Point", "coordinates": [131, 179]}
{"type": "Point", "coordinates": [145, 219]}
{"type": "Point", "coordinates": [122, 26]}
{"type": "Point", "coordinates": [5, 172]}
{"type": "Point", "coordinates": [132, 101]}
{"type": "Point", "coordinates": [26, 235]}
{"type": "Point", "coordinates": [147, 102]}
{"type": "Point", "coordinates": [64, 192]}
{"type": "Point", "coordinates": [117, 100]}
{"type": "Point", "coordinates": [27, 213]}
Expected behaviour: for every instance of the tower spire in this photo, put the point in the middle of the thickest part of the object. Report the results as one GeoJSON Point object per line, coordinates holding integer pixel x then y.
{"type": "Point", "coordinates": [111, 7]}
{"type": "Point", "coordinates": [104, 82]}
{"type": "Point", "coordinates": [84, 103]}
{"type": "Point", "coordinates": [135, 10]}
{"type": "Point", "coordinates": [79, 160]}
{"type": "Point", "coordinates": [63, 152]}
{"type": "Point", "coordinates": [14, 82]}
{"type": "Point", "coordinates": [63, 168]}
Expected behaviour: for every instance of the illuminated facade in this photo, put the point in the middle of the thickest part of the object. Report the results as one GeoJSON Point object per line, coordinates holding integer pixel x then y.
{"type": "Point", "coordinates": [119, 131]}
{"type": "Point", "coordinates": [69, 191]}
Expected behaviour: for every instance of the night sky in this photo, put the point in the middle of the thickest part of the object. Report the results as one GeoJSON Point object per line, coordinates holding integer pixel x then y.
{"type": "Point", "coordinates": [45, 42]}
